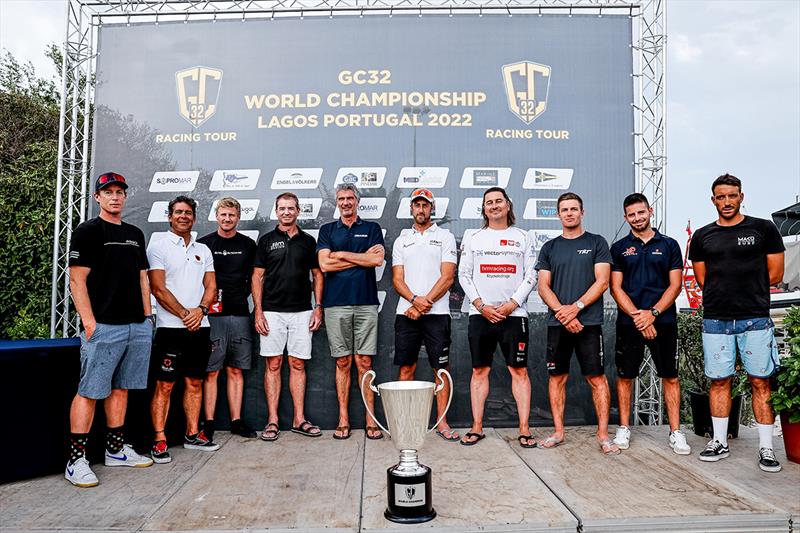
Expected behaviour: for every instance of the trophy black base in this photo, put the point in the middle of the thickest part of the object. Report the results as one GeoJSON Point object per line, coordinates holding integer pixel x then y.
{"type": "Point", "coordinates": [409, 497]}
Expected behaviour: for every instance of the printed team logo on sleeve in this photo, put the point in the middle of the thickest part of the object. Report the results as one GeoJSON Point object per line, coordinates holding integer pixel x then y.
{"type": "Point", "coordinates": [547, 178]}
{"type": "Point", "coordinates": [235, 180]}
{"type": "Point", "coordinates": [541, 209]}
{"type": "Point", "coordinates": [368, 208]}
{"type": "Point", "coordinates": [309, 209]}
{"type": "Point", "coordinates": [361, 177]}
{"type": "Point", "coordinates": [484, 177]}
{"type": "Point", "coordinates": [296, 178]}
{"type": "Point", "coordinates": [249, 209]}
{"type": "Point", "coordinates": [439, 208]}
{"type": "Point", "coordinates": [428, 177]}
{"type": "Point", "coordinates": [177, 181]}
{"type": "Point", "coordinates": [471, 209]}
{"type": "Point", "coordinates": [251, 233]}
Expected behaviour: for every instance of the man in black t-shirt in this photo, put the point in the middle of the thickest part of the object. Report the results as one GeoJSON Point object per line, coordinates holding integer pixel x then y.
{"type": "Point", "coordinates": [231, 327]}
{"type": "Point", "coordinates": [575, 267]}
{"type": "Point", "coordinates": [282, 291]}
{"type": "Point", "coordinates": [108, 281]}
{"type": "Point", "coordinates": [735, 260]}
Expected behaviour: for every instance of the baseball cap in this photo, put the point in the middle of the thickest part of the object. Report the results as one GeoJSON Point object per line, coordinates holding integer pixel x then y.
{"type": "Point", "coordinates": [422, 193]}
{"type": "Point", "coordinates": [109, 178]}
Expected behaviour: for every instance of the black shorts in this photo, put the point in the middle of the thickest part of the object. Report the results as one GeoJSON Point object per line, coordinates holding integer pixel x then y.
{"type": "Point", "coordinates": [587, 345]}
{"type": "Point", "coordinates": [433, 330]}
{"type": "Point", "coordinates": [177, 352]}
{"type": "Point", "coordinates": [630, 350]}
{"type": "Point", "coordinates": [511, 334]}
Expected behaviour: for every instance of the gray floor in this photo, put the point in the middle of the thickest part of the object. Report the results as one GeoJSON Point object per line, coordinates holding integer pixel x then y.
{"type": "Point", "coordinates": [303, 484]}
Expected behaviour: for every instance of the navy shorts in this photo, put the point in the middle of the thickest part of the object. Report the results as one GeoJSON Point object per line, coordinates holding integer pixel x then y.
{"type": "Point", "coordinates": [178, 352]}
{"type": "Point", "coordinates": [433, 330]}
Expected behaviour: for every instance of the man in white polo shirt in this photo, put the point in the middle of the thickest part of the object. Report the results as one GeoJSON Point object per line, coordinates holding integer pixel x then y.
{"type": "Point", "coordinates": [423, 310]}
{"type": "Point", "coordinates": [183, 283]}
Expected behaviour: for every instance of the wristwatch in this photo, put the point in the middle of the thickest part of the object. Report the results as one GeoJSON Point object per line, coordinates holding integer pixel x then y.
{"type": "Point", "coordinates": [580, 305]}
{"type": "Point", "coordinates": [204, 309]}
{"type": "Point", "coordinates": [655, 311]}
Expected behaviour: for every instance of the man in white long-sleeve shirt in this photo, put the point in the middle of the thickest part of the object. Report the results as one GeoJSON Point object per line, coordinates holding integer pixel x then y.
{"type": "Point", "coordinates": [497, 274]}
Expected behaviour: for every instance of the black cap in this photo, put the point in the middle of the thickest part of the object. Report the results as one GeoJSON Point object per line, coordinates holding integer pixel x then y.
{"type": "Point", "coordinates": [109, 178]}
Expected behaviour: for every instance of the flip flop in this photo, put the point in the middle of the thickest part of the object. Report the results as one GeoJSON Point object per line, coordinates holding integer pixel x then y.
{"type": "Point", "coordinates": [373, 429]}
{"type": "Point", "coordinates": [270, 434]}
{"type": "Point", "coordinates": [608, 447]}
{"type": "Point", "coordinates": [305, 428]}
{"type": "Point", "coordinates": [345, 433]}
{"type": "Point", "coordinates": [524, 441]}
{"type": "Point", "coordinates": [478, 437]}
{"type": "Point", "coordinates": [551, 442]}
{"type": "Point", "coordinates": [449, 435]}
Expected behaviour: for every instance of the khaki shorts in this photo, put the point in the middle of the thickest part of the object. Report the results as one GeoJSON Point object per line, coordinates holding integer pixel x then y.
{"type": "Point", "coordinates": [352, 329]}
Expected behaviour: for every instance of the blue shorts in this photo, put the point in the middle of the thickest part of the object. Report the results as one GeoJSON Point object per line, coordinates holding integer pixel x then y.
{"type": "Point", "coordinates": [116, 357]}
{"type": "Point", "coordinates": [752, 338]}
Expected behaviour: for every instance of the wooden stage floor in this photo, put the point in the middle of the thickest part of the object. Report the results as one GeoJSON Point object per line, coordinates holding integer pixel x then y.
{"type": "Point", "coordinates": [303, 484]}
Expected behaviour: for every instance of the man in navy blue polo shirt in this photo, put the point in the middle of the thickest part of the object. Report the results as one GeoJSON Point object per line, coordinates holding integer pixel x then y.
{"type": "Point", "coordinates": [349, 249]}
{"type": "Point", "coordinates": [645, 281]}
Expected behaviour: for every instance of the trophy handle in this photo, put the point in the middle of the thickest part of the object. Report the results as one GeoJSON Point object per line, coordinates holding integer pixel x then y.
{"type": "Point", "coordinates": [441, 373]}
{"type": "Point", "coordinates": [371, 374]}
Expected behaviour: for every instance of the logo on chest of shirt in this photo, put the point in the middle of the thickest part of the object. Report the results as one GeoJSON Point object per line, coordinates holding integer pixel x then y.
{"type": "Point", "coordinates": [434, 242]}
{"type": "Point", "coordinates": [509, 242]}
{"type": "Point", "coordinates": [657, 251]}
{"type": "Point", "coordinates": [226, 252]}
{"type": "Point", "coordinates": [498, 269]}
{"type": "Point", "coordinates": [277, 245]}
{"type": "Point", "coordinates": [629, 252]}
{"type": "Point", "coordinates": [585, 251]}
{"type": "Point", "coordinates": [746, 241]}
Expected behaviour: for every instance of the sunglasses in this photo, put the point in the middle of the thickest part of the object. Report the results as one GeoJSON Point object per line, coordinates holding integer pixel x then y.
{"type": "Point", "coordinates": [110, 177]}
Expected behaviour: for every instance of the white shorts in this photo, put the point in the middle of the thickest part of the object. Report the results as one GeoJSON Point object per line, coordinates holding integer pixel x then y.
{"type": "Point", "coordinates": [287, 330]}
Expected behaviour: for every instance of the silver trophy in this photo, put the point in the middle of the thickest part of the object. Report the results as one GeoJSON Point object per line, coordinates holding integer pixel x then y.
{"type": "Point", "coordinates": [407, 405]}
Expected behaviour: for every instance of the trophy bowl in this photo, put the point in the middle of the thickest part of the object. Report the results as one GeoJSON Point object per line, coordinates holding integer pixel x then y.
{"type": "Point", "coordinates": [407, 405]}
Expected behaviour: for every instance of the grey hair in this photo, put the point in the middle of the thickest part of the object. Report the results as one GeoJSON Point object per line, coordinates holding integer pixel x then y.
{"type": "Point", "coordinates": [348, 187]}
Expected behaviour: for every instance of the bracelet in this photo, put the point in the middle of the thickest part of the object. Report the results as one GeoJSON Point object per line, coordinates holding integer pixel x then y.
{"type": "Point", "coordinates": [480, 307]}
{"type": "Point", "coordinates": [413, 298]}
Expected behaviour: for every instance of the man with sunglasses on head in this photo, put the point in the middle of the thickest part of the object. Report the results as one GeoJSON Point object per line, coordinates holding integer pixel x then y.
{"type": "Point", "coordinates": [108, 282]}
{"type": "Point", "coordinates": [183, 282]}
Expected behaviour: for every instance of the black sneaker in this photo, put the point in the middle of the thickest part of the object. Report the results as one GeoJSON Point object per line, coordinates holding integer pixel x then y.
{"type": "Point", "coordinates": [714, 451]}
{"type": "Point", "coordinates": [767, 461]}
{"type": "Point", "coordinates": [160, 453]}
{"type": "Point", "coordinates": [238, 427]}
{"type": "Point", "coordinates": [199, 442]}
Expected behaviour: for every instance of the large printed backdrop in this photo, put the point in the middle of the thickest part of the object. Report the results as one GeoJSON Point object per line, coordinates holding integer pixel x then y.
{"type": "Point", "coordinates": [538, 105]}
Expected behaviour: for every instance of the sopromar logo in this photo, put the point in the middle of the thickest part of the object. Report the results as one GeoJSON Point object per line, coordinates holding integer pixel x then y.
{"type": "Point", "coordinates": [198, 91]}
{"type": "Point", "coordinates": [526, 85]}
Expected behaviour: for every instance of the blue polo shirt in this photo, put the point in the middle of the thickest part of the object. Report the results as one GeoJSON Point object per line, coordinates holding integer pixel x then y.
{"type": "Point", "coordinates": [645, 271]}
{"type": "Point", "coordinates": [357, 285]}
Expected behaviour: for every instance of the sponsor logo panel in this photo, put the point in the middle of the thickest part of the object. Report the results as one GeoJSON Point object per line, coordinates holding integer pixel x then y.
{"type": "Point", "coordinates": [368, 208]}
{"type": "Point", "coordinates": [309, 209]}
{"type": "Point", "coordinates": [235, 180]}
{"type": "Point", "coordinates": [175, 181]}
{"type": "Point", "coordinates": [541, 209]}
{"type": "Point", "coordinates": [361, 177]}
{"type": "Point", "coordinates": [484, 177]}
{"type": "Point", "coordinates": [159, 212]}
{"type": "Point", "coordinates": [428, 177]}
{"type": "Point", "coordinates": [471, 209]}
{"type": "Point", "coordinates": [548, 178]}
{"type": "Point", "coordinates": [249, 209]}
{"type": "Point", "coordinates": [439, 208]}
{"type": "Point", "coordinates": [296, 178]}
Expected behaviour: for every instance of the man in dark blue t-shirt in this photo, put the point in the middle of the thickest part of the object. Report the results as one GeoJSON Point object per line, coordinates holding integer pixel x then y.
{"type": "Point", "coordinates": [645, 281]}
{"type": "Point", "coordinates": [349, 250]}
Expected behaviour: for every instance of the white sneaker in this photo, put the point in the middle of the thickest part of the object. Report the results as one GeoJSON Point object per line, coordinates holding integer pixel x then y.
{"type": "Point", "coordinates": [677, 441]}
{"type": "Point", "coordinates": [127, 456]}
{"type": "Point", "coordinates": [80, 474]}
{"type": "Point", "coordinates": [623, 438]}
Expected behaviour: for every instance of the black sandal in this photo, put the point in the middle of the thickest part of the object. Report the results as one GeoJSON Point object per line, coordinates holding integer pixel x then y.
{"type": "Point", "coordinates": [478, 437]}
{"type": "Point", "coordinates": [524, 441]}
{"type": "Point", "coordinates": [270, 434]}
{"type": "Point", "coordinates": [305, 428]}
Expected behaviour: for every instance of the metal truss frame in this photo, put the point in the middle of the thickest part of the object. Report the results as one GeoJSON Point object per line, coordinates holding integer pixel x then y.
{"type": "Point", "coordinates": [84, 17]}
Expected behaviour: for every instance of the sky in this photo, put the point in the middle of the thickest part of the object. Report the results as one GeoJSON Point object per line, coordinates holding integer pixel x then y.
{"type": "Point", "coordinates": [733, 96]}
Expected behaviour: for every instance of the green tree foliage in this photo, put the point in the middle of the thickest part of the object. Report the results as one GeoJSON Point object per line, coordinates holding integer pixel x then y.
{"type": "Point", "coordinates": [28, 154]}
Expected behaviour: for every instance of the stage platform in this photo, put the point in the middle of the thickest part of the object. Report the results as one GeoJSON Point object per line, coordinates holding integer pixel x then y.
{"type": "Point", "coordinates": [303, 484]}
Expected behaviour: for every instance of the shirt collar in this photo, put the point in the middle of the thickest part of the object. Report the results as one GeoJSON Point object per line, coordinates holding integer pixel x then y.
{"type": "Point", "coordinates": [340, 224]}
{"type": "Point", "coordinates": [432, 229]}
{"type": "Point", "coordinates": [282, 233]}
{"type": "Point", "coordinates": [656, 237]}
{"type": "Point", "coordinates": [175, 238]}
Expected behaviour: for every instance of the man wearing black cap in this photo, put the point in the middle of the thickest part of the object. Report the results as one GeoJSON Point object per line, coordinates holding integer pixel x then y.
{"type": "Point", "coordinates": [108, 281]}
